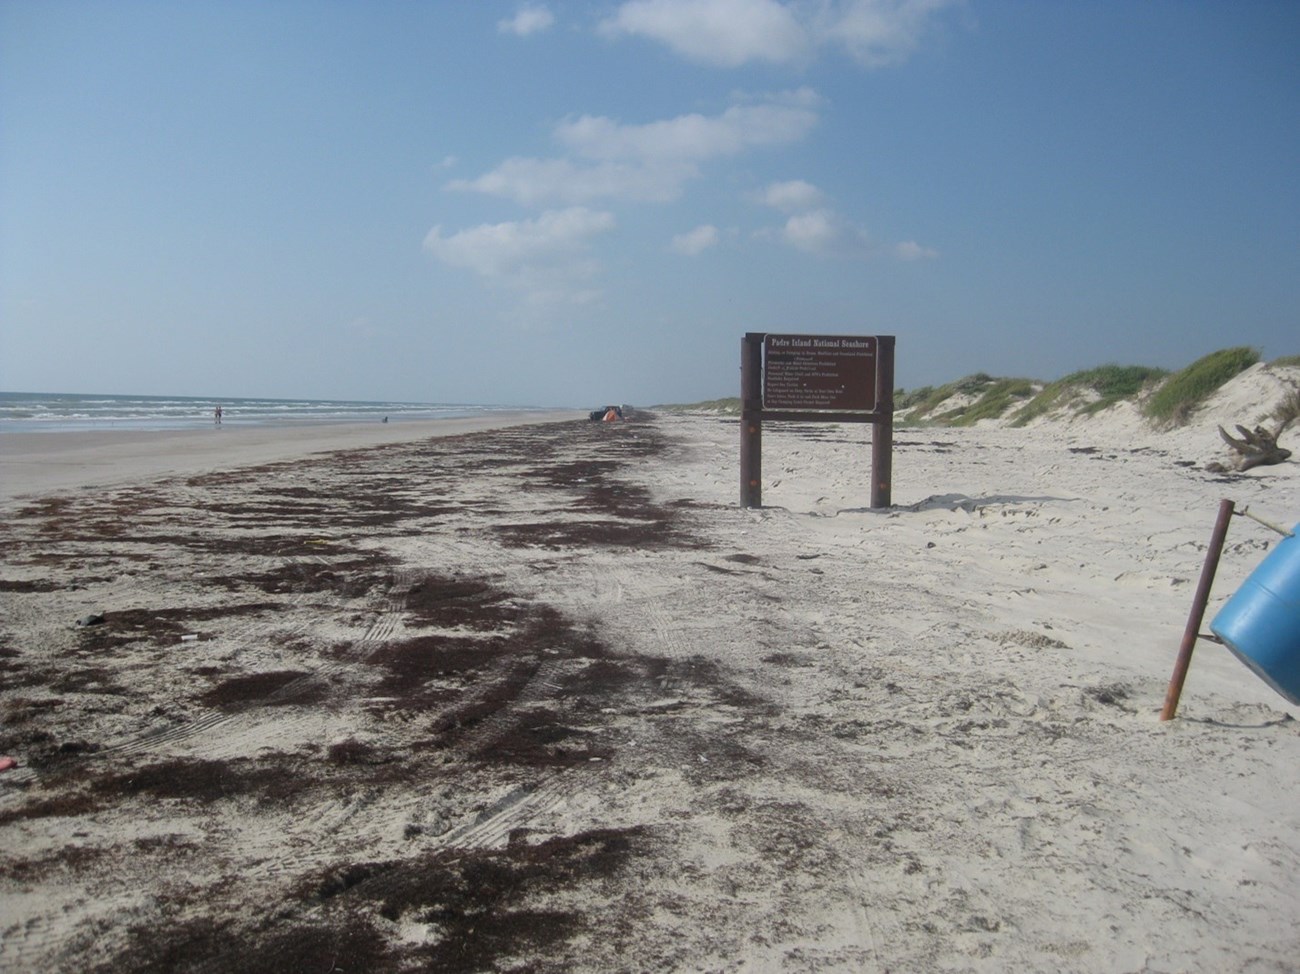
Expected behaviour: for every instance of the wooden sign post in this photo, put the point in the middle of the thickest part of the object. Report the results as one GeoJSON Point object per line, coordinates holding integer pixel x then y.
{"type": "Point", "coordinates": [816, 378]}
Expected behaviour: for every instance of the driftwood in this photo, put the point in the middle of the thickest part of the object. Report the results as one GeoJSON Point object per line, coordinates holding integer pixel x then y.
{"type": "Point", "coordinates": [1258, 447]}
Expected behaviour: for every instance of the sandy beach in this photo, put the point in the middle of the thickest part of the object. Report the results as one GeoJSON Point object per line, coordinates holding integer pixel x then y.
{"type": "Point", "coordinates": [545, 698]}
{"type": "Point", "coordinates": [36, 463]}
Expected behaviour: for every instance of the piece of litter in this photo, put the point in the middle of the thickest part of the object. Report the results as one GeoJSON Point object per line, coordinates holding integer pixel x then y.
{"type": "Point", "coordinates": [191, 637]}
{"type": "Point", "coordinates": [7, 763]}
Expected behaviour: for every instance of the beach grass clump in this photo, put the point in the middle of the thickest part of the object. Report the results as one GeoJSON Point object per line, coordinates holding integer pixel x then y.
{"type": "Point", "coordinates": [905, 399]}
{"type": "Point", "coordinates": [1089, 390]}
{"type": "Point", "coordinates": [1288, 410]}
{"type": "Point", "coordinates": [1115, 382]}
{"type": "Point", "coordinates": [1291, 360]}
{"type": "Point", "coordinates": [997, 397]}
{"type": "Point", "coordinates": [727, 407]}
{"type": "Point", "coordinates": [1175, 400]}
{"type": "Point", "coordinates": [924, 401]}
{"type": "Point", "coordinates": [921, 403]}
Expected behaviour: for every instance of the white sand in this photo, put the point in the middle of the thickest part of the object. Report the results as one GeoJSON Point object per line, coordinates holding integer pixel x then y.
{"type": "Point", "coordinates": [922, 739]}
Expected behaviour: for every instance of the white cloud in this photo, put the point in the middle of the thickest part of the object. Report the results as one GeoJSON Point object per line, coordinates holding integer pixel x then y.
{"type": "Point", "coordinates": [911, 250]}
{"type": "Point", "coordinates": [533, 182]}
{"type": "Point", "coordinates": [777, 121]}
{"type": "Point", "coordinates": [729, 33]}
{"type": "Point", "coordinates": [815, 229]}
{"type": "Point", "coordinates": [825, 233]}
{"type": "Point", "coordinates": [696, 241]}
{"type": "Point", "coordinates": [726, 33]}
{"type": "Point", "coordinates": [527, 20]}
{"type": "Point", "coordinates": [648, 162]}
{"type": "Point", "coordinates": [790, 196]}
{"type": "Point", "coordinates": [881, 32]}
{"type": "Point", "coordinates": [546, 258]}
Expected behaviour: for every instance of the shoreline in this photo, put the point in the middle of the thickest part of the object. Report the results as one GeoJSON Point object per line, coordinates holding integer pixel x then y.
{"type": "Point", "coordinates": [37, 463]}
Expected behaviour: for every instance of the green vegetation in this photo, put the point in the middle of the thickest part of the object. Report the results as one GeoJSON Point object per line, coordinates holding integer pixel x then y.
{"type": "Point", "coordinates": [1110, 383]}
{"type": "Point", "coordinates": [921, 402]}
{"type": "Point", "coordinates": [1174, 401]}
{"type": "Point", "coordinates": [999, 396]}
{"type": "Point", "coordinates": [1085, 392]}
{"type": "Point", "coordinates": [992, 397]}
{"type": "Point", "coordinates": [729, 407]}
{"type": "Point", "coordinates": [1288, 410]}
{"type": "Point", "coordinates": [904, 400]}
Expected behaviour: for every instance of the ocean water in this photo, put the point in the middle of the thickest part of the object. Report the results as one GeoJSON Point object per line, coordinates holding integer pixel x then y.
{"type": "Point", "coordinates": [58, 412]}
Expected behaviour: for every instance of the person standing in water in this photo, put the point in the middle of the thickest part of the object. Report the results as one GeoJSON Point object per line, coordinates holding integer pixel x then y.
{"type": "Point", "coordinates": [216, 415]}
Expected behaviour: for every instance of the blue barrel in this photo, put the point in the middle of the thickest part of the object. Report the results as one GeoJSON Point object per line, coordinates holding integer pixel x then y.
{"type": "Point", "coordinates": [1261, 622]}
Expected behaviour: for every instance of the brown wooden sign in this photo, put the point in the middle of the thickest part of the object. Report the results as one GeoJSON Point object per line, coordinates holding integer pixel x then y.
{"type": "Point", "coordinates": [819, 372]}
{"type": "Point", "coordinates": [816, 378]}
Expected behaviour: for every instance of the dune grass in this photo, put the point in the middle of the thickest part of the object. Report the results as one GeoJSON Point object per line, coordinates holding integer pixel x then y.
{"type": "Point", "coordinates": [1179, 396]}
{"type": "Point", "coordinates": [729, 406]}
{"type": "Point", "coordinates": [905, 399]}
{"type": "Point", "coordinates": [992, 397]}
{"type": "Point", "coordinates": [921, 402]}
{"type": "Point", "coordinates": [1000, 396]}
{"type": "Point", "coordinates": [1085, 392]}
{"type": "Point", "coordinates": [1111, 383]}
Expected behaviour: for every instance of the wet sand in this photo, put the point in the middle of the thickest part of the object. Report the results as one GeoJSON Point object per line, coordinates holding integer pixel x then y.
{"type": "Point", "coordinates": [37, 463]}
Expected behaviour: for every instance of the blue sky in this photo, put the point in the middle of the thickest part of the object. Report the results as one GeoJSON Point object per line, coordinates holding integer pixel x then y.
{"type": "Point", "coordinates": [572, 202]}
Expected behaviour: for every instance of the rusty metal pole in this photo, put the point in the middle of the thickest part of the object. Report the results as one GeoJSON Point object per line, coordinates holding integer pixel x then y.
{"type": "Point", "coordinates": [751, 420]}
{"type": "Point", "coordinates": [882, 430]}
{"type": "Point", "coordinates": [1193, 630]}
